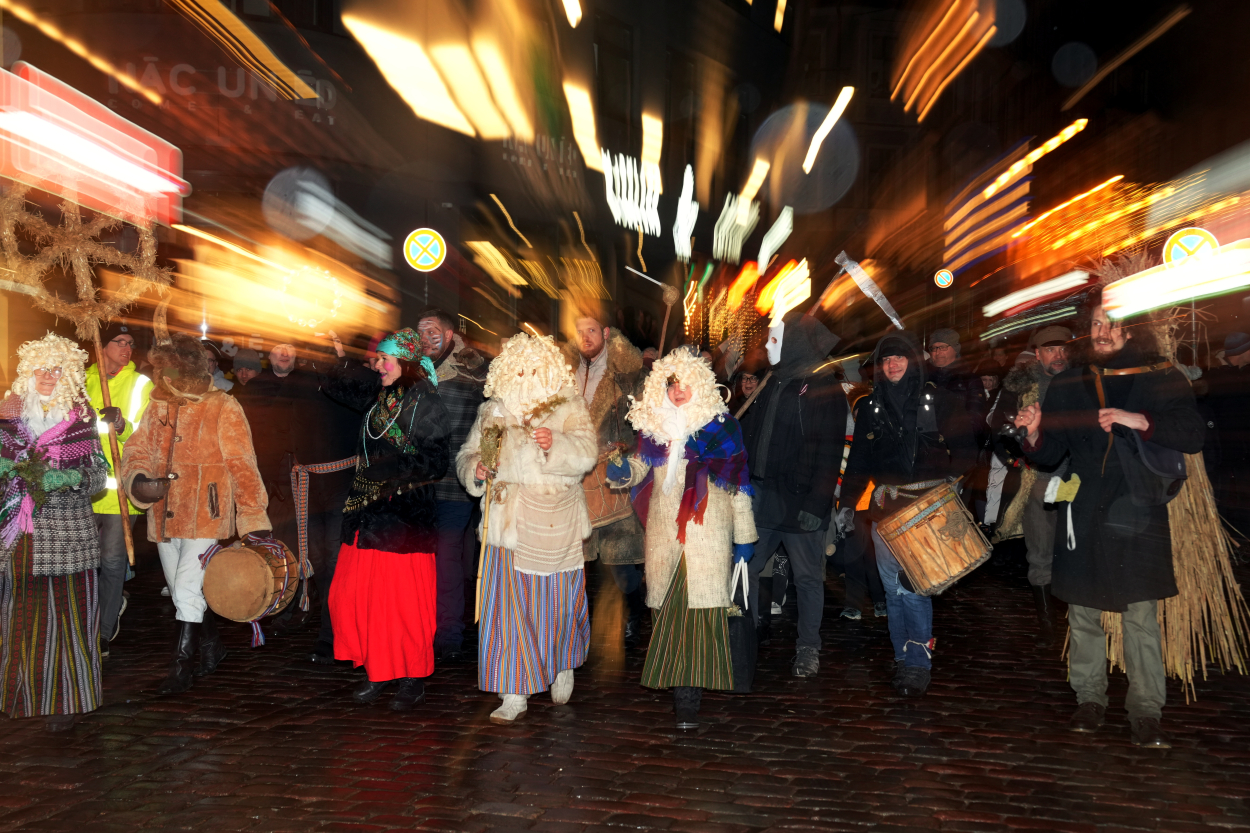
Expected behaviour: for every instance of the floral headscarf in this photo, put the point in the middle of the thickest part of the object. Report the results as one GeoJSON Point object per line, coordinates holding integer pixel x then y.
{"type": "Point", "coordinates": [405, 344]}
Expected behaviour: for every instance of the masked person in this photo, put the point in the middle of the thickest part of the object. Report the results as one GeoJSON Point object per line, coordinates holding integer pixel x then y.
{"type": "Point", "coordinates": [1114, 548]}
{"type": "Point", "coordinates": [383, 599]}
{"type": "Point", "coordinates": [692, 486]}
{"type": "Point", "coordinates": [129, 391]}
{"type": "Point", "coordinates": [191, 466]}
{"type": "Point", "coordinates": [50, 465]}
{"type": "Point", "coordinates": [534, 628]}
{"type": "Point", "coordinates": [910, 436]}
{"type": "Point", "coordinates": [608, 369]}
{"type": "Point", "coordinates": [795, 432]}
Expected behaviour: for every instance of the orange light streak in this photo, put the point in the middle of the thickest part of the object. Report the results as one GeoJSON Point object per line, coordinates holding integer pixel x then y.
{"type": "Point", "coordinates": [1018, 167]}
{"type": "Point", "coordinates": [976, 50]}
{"type": "Point", "coordinates": [1114, 215]}
{"type": "Point", "coordinates": [1062, 206]}
{"type": "Point", "coordinates": [940, 58]}
{"type": "Point", "coordinates": [907, 70]}
{"type": "Point", "coordinates": [1146, 235]}
{"type": "Point", "coordinates": [742, 284]}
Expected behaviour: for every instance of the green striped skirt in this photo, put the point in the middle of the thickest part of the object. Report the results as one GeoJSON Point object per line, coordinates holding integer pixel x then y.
{"type": "Point", "coordinates": [688, 647]}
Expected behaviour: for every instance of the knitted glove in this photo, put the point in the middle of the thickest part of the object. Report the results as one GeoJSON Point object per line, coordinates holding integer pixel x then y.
{"type": "Point", "coordinates": [6, 466]}
{"type": "Point", "coordinates": [743, 552]}
{"type": "Point", "coordinates": [57, 479]}
{"type": "Point", "coordinates": [808, 522]}
{"type": "Point", "coordinates": [618, 472]}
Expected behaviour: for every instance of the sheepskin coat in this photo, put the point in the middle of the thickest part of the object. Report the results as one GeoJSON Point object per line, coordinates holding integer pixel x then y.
{"type": "Point", "coordinates": [728, 520]}
{"type": "Point", "coordinates": [217, 492]}
{"type": "Point", "coordinates": [552, 477]}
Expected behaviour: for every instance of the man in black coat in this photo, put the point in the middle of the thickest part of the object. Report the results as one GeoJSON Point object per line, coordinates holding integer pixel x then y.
{"type": "Point", "coordinates": [1228, 398]}
{"type": "Point", "coordinates": [794, 433]}
{"type": "Point", "coordinates": [1113, 550]}
{"type": "Point", "coordinates": [910, 436]}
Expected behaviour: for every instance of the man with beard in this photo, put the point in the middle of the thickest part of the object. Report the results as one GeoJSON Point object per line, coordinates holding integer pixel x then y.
{"type": "Point", "coordinates": [909, 437]}
{"type": "Point", "coordinates": [608, 369]}
{"type": "Point", "coordinates": [1029, 382]}
{"type": "Point", "coordinates": [461, 372]}
{"type": "Point", "coordinates": [1115, 553]}
{"type": "Point", "coordinates": [794, 432]}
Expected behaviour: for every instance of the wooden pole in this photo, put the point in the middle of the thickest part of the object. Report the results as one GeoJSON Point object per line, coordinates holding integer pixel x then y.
{"type": "Point", "coordinates": [122, 503]}
{"type": "Point", "coordinates": [481, 554]}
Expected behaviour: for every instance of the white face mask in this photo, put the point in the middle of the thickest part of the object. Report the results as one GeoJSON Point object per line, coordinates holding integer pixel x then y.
{"type": "Point", "coordinates": [773, 345]}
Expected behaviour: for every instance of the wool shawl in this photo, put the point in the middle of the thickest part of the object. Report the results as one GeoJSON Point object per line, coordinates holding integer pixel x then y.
{"type": "Point", "coordinates": [714, 453]}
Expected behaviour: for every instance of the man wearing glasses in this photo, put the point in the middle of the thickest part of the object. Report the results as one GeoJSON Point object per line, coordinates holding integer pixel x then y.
{"type": "Point", "coordinates": [128, 392]}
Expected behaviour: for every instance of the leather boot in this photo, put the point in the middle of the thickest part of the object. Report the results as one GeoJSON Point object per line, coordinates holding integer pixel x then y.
{"type": "Point", "coordinates": [633, 625]}
{"type": "Point", "coordinates": [180, 667]}
{"type": "Point", "coordinates": [1045, 614]}
{"type": "Point", "coordinates": [764, 630]}
{"type": "Point", "coordinates": [212, 652]}
{"type": "Point", "coordinates": [686, 702]}
{"type": "Point", "coordinates": [411, 692]}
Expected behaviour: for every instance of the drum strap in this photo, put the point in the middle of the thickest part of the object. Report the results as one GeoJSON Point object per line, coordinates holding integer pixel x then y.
{"type": "Point", "coordinates": [274, 548]}
{"type": "Point", "coordinates": [911, 490]}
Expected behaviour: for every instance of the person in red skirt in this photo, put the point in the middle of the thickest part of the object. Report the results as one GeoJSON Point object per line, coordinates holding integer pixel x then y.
{"type": "Point", "coordinates": [384, 595]}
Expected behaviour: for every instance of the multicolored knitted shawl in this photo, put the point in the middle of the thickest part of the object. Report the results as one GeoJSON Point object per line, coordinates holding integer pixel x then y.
{"type": "Point", "coordinates": [715, 453]}
{"type": "Point", "coordinates": [66, 445]}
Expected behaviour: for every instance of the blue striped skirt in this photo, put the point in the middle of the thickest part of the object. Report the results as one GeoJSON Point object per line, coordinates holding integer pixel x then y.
{"type": "Point", "coordinates": [532, 628]}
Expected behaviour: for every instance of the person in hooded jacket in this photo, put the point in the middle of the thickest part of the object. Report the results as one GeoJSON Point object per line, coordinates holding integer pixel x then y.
{"type": "Point", "coordinates": [795, 431]}
{"type": "Point", "coordinates": [910, 436]}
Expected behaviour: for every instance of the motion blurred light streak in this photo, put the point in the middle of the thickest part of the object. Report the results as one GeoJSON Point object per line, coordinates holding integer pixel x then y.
{"type": "Point", "coordinates": [744, 283]}
{"type": "Point", "coordinates": [652, 147]}
{"type": "Point", "coordinates": [791, 287]}
{"type": "Point", "coordinates": [223, 26]}
{"type": "Point", "coordinates": [1225, 270]}
{"type": "Point", "coordinates": [471, 92]}
{"type": "Point", "coordinates": [731, 231]}
{"type": "Point", "coordinates": [911, 62]}
{"type": "Point", "coordinates": [634, 203]}
{"type": "Point", "coordinates": [687, 215]}
{"type": "Point", "coordinates": [976, 50]}
{"type": "Point", "coordinates": [775, 236]}
{"type": "Point", "coordinates": [573, 10]}
{"type": "Point", "coordinates": [1141, 43]}
{"type": "Point", "coordinates": [822, 132]}
{"type": "Point", "coordinates": [1215, 208]}
{"type": "Point", "coordinates": [1015, 325]}
{"type": "Point", "coordinates": [407, 68]}
{"type": "Point", "coordinates": [1112, 216]}
{"type": "Point", "coordinates": [780, 17]}
{"type": "Point", "coordinates": [74, 45]}
{"type": "Point", "coordinates": [582, 112]}
{"type": "Point", "coordinates": [497, 266]}
{"type": "Point", "coordinates": [919, 88]}
{"type": "Point", "coordinates": [508, 217]}
{"type": "Point", "coordinates": [1071, 280]}
{"type": "Point", "coordinates": [1050, 144]}
{"type": "Point", "coordinates": [985, 210]}
{"type": "Point", "coordinates": [226, 244]}
{"type": "Point", "coordinates": [759, 170]}
{"type": "Point", "coordinates": [1064, 205]}
{"type": "Point", "coordinates": [502, 88]}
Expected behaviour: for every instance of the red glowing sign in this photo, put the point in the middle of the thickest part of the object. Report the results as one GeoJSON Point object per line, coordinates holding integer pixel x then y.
{"type": "Point", "coordinates": [58, 140]}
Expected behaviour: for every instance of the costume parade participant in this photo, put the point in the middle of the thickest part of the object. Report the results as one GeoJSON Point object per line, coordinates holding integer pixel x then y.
{"type": "Point", "coordinates": [129, 391]}
{"type": "Point", "coordinates": [692, 489]}
{"type": "Point", "coordinates": [909, 437]}
{"type": "Point", "coordinates": [192, 467]}
{"type": "Point", "coordinates": [1113, 548]}
{"type": "Point", "coordinates": [50, 465]}
{"type": "Point", "coordinates": [530, 447]}
{"type": "Point", "coordinates": [384, 597]}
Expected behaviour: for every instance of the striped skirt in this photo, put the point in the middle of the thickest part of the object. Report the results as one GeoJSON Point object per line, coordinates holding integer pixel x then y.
{"type": "Point", "coordinates": [49, 639]}
{"type": "Point", "coordinates": [532, 628]}
{"type": "Point", "coordinates": [689, 647]}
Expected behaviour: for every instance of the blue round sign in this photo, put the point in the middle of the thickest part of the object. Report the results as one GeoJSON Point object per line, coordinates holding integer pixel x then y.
{"type": "Point", "coordinates": [944, 278]}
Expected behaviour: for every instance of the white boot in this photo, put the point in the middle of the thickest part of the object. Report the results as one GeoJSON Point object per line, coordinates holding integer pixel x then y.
{"type": "Point", "coordinates": [512, 708]}
{"type": "Point", "coordinates": [562, 688]}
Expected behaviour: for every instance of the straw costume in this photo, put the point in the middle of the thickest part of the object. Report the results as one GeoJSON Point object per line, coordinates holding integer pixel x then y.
{"type": "Point", "coordinates": [534, 628]}
{"type": "Point", "coordinates": [691, 487]}
{"type": "Point", "coordinates": [50, 465]}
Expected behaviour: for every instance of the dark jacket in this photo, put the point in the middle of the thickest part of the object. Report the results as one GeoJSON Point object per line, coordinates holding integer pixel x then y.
{"type": "Point", "coordinates": [1123, 552]}
{"type": "Point", "coordinates": [461, 377]}
{"type": "Point", "coordinates": [907, 432]}
{"type": "Point", "coordinates": [391, 504]}
{"type": "Point", "coordinates": [796, 459]}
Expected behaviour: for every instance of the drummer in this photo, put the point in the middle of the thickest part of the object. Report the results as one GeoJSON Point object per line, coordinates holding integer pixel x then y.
{"type": "Point", "coordinates": [910, 437]}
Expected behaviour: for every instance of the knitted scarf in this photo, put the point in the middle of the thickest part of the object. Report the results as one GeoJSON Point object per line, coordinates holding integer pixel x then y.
{"type": "Point", "coordinates": [715, 453]}
{"type": "Point", "coordinates": [66, 445]}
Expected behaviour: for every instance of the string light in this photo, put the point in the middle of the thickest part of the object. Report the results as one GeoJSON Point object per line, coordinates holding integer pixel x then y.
{"type": "Point", "coordinates": [1062, 206]}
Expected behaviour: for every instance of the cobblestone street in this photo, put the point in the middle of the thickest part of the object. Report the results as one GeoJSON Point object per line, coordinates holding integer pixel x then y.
{"type": "Point", "coordinates": [272, 743]}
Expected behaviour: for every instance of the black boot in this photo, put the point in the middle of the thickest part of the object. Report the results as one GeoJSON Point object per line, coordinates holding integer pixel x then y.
{"type": "Point", "coordinates": [1045, 614]}
{"type": "Point", "coordinates": [180, 668]}
{"type": "Point", "coordinates": [686, 700]}
{"type": "Point", "coordinates": [637, 615]}
{"type": "Point", "coordinates": [764, 630]}
{"type": "Point", "coordinates": [411, 692]}
{"type": "Point", "coordinates": [368, 691]}
{"type": "Point", "coordinates": [212, 652]}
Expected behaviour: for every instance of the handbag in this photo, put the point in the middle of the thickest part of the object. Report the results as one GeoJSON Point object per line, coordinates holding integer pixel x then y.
{"type": "Point", "coordinates": [1154, 474]}
{"type": "Point", "coordinates": [743, 648]}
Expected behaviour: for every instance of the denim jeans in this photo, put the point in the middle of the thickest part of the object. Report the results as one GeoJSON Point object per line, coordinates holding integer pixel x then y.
{"type": "Point", "coordinates": [911, 615]}
{"type": "Point", "coordinates": [807, 565]}
{"type": "Point", "coordinates": [453, 517]}
{"type": "Point", "coordinates": [113, 568]}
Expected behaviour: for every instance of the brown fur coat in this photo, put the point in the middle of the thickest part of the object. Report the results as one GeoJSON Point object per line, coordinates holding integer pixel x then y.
{"type": "Point", "coordinates": [217, 492]}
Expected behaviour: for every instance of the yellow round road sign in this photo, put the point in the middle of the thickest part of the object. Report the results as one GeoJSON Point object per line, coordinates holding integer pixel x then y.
{"type": "Point", "coordinates": [944, 278]}
{"type": "Point", "coordinates": [1187, 243]}
{"type": "Point", "coordinates": [425, 250]}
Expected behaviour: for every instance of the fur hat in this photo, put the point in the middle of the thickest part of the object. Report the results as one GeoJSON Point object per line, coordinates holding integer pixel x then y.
{"type": "Point", "coordinates": [182, 365]}
{"type": "Point", "coordinates": [687, 368]}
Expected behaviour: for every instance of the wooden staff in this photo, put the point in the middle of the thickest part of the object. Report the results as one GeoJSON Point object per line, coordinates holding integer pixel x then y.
{"type": "Point", "coordinates": [122, 503]}
{"type": "Point", "coordinates": [671, 296]}
{"type": "Point", "coordinates": [481, 555]}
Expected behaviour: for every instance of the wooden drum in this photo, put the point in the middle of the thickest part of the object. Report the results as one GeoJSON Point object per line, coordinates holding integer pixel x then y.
{"type": "Point", "coordinates": [935, 539]}
{"type": "Point", "coordinates": [242, 583]}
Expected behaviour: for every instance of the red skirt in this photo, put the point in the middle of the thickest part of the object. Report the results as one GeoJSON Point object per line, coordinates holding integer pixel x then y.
{"type": "Point", "coordinates": [383, 607]}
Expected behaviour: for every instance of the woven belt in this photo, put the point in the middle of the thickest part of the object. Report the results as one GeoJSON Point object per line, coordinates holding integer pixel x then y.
{"type": "Point", "coordinates": [910, 490]}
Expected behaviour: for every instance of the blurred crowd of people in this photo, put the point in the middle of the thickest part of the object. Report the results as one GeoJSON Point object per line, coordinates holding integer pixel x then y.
{"type": "Point", "coordinates": [478, 489]}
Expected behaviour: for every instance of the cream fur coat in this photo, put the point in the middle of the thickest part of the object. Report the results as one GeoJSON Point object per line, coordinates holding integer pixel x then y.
{"type": "Point", "coordinates": [527, 474]}
{"type": "Point", "coordinates": [727, 520]}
